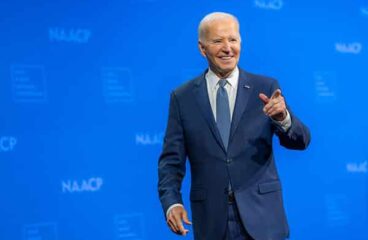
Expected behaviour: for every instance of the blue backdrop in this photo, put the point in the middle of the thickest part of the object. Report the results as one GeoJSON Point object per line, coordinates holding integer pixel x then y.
{"type": "Point", "coordinates": [84, 93]}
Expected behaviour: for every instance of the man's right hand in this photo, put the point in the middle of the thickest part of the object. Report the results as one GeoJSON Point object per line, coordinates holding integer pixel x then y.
{"type": "Point", "coordinates": [175, 219]}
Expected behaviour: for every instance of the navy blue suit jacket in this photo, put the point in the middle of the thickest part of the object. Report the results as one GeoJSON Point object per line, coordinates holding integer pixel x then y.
{"type": "Point", "coordinates": [248, 162]}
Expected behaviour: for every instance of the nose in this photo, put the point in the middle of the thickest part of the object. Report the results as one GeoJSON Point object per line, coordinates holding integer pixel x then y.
{"type": "Point", "coordinates": [226, 46]}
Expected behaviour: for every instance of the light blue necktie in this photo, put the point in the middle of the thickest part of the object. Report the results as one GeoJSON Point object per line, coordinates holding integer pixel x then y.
{"type": "Point", "coordinates": [223, 112]}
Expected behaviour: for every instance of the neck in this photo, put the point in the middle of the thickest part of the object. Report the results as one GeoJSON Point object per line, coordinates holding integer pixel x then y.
{"type": "Point", "coordinates": [222, 74]}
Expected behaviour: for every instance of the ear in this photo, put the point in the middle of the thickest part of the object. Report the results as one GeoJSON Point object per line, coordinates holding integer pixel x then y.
{"type": "Point", "coordinates": [202, 49]}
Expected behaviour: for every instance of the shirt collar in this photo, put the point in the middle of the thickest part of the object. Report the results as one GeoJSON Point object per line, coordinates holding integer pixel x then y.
{"type": "Point", "coordinates": [212, 78]}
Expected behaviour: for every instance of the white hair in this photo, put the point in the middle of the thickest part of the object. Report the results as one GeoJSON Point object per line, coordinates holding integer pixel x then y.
{"type": "Point", "coordinates": [202, 28]}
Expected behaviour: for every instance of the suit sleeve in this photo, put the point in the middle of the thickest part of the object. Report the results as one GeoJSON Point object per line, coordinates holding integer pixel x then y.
{"type": "Point", "coordinates": [171, 164]}
{"type": "Point", "coordinates": [298, 135]}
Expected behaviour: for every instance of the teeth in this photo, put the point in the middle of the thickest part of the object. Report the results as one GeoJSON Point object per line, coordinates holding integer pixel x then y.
{"type": "Point", "coordinates": [225, 58]}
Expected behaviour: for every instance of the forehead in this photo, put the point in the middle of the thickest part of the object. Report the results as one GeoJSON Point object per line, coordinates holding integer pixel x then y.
{"type": "Point", "coordinates": [222, 27]}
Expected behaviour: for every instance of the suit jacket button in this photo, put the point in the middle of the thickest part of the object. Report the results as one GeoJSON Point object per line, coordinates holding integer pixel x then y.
{"type": "Point", "coordinates": [229, 160]}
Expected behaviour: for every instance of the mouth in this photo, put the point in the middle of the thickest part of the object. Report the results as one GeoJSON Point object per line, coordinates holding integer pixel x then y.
{"type": "Point", "coordinates": [225, 58]}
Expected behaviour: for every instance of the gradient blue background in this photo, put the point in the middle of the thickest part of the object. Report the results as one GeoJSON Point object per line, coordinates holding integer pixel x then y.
{"type": "Point", "coordinates": [84, 92]}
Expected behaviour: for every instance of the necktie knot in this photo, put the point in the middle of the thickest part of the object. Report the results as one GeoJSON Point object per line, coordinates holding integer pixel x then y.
{"type": "Point", "coordinates": [222, 82]}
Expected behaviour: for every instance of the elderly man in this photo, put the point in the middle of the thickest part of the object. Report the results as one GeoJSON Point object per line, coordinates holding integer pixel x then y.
{"type": "Point", "coordinates": [223, 121]}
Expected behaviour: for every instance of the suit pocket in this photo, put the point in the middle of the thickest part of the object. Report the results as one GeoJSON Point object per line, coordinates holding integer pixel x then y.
{"type": "Point", "coordinates": [268, 187]}
{"type": "Point", "coordinates": [198, 195]}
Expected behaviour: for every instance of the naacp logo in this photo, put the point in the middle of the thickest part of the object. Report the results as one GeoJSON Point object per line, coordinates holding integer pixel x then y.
{"type": "Point", "coordinates": [7, 144]}
{"type": "Point", "coordinates": [352, 48]}
{"type": "Point", "coordinates": [87, 185]}
{"type": "Point", "coordinates": [269, 4]}
{"type": "Point", "coordinates": [357, 167]}
{"type": "Point", "coordinates": [149, 138]}
{"type": "Point", "coordinates": [78, 35]}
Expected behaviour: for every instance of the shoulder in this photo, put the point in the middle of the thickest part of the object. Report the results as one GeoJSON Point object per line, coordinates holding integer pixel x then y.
{"type": "Point", "coordinates": [188, 86]}
{"type": "Point", "coordinates": [261, 83]}
{"type": "Point", "coordinates": [258, 79]}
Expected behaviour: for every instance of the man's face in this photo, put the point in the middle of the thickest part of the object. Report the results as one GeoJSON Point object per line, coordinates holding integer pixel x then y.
{"type": "Point", "coordinates": [221, 46]}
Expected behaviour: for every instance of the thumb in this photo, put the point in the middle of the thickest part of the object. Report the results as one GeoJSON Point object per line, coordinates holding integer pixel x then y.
{"type": "Point", "coordinates": [276, 94]}
{"type": "Point", "coordinates": [185, 218]}
{"type": "Point", "coordinates": [264, 98]}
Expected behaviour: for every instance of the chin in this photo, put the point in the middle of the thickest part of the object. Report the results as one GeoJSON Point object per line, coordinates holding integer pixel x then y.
{"type": "Point", "coordinates": [227, 69]}
{"type": "Point", "coordinates": [227, 66]}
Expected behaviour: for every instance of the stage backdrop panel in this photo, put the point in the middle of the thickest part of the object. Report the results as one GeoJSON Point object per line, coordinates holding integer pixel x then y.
{"type": "Point", "coordinates": [84, 93]}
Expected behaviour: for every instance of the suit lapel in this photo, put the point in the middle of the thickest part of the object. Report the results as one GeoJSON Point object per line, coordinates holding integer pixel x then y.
{"type": "Point", "coordinates": [201, 94]}
{"type": "Point", "coordinates": [242, 96]}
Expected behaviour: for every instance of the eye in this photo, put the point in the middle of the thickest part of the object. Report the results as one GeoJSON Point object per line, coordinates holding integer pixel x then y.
{"type": "Point", "coordinates": [233, 40]}
{"type": "Point", "coordinates": [216, 41]}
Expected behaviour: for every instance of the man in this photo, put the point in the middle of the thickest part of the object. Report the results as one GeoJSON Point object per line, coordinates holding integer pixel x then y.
{"type": "Point", "coordinates": [224, 121]}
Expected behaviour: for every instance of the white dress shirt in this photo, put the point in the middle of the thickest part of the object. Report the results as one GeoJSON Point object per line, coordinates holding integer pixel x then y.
{"type": "Point", "coordinates": [231, 87]}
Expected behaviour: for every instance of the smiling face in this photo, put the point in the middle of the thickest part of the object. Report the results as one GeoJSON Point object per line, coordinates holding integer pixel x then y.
{"type": "Point", "coordinates": [221, 45]}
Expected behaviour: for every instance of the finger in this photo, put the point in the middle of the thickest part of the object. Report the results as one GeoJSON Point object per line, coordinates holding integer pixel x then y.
{"type": "Point", "coordinates": [172, 227]}
{"type": "Point", "coordinates": [280, 111]}
{"type": "Point", "coordinates": [185, 218]}
{"type": "Point", "coordinates": [179, 224]}
{"type": "Point", "coordinates": [277, 102]}
{"type": "Point", "coordinates": [270, 105]}
{"type": "Point", "coordinates": [264, 98]}
{"type": "Point", "coordinates": [275, 113]}
{"type": "Point", "coordinates": [277, 108]}
{"type": "Point", "coordinates": [276, 94]}
{"type": "Point", "coordinates": [171, 220]}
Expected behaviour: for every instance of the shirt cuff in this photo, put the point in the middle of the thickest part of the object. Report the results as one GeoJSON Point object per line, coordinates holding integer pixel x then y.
{"type": "Point", "coordinates": [171, 207]}
{"type": "Point", "coordinates": [286, 123]}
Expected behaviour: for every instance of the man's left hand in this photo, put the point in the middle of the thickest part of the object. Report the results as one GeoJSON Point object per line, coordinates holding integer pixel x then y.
{"type": "Point", "coordinates": [274, 106]}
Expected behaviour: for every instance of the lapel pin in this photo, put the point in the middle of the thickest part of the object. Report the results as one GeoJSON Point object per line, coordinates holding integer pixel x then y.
{"type": "Point", "coordinates": [247, 86]}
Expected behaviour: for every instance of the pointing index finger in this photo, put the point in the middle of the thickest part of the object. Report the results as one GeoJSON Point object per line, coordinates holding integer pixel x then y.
{"type": "Point", "coordinates": [264, 98]}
